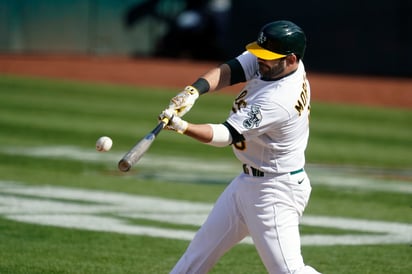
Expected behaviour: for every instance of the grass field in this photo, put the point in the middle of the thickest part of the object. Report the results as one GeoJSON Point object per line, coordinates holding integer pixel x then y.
{"type": "Point", "coordinates": [65, 208]}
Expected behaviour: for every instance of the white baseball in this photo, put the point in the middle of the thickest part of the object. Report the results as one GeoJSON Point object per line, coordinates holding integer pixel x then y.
{"type": "Point", "coordinates": [104, 144]}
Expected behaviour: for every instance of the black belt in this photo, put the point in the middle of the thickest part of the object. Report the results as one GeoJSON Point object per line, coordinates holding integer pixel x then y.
{"type": "Point", "coordinates": [257, 173]}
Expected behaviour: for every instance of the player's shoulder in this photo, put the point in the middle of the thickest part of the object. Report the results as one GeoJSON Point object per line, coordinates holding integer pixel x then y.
{"type": "Point", "coordinates": [249, 64]}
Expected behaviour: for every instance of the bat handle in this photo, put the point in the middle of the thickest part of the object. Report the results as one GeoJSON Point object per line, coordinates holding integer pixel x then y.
{"type": "Point", "coordinates": [160, 126]}
{"type": "Point", "coordinates": [165, 121]}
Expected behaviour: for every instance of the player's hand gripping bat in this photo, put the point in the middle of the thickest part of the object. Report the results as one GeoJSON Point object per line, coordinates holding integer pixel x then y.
{"type": "Point", "coordinates": [179, 105]}
{"type": "Point", "coordinates": [136, 152]}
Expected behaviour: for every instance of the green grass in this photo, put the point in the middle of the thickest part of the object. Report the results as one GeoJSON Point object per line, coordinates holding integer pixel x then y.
{"type": "Point", "coordinates": [43, 113]}
{"type": "Point", "coordinates": [342, 134]}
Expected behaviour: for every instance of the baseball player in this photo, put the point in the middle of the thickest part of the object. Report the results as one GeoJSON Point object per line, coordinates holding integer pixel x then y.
{"type": "Point", "coordinates": [268, 128]}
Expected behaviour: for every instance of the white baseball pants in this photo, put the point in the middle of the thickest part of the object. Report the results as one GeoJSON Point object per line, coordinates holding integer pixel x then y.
{"type": "Point", "coordinates": [266, 208]}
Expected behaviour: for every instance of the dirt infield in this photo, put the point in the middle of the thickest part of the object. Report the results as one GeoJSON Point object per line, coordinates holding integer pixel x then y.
{"type": "Point", "coordinates": [390, 92]}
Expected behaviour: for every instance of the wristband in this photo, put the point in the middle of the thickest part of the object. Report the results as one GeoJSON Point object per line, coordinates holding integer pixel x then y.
{"type": "Point", "coordinates": [202, 85]}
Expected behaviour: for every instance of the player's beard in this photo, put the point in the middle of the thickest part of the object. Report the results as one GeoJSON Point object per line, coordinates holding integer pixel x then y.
{"type": "Point", "coordinates": [272, 72]}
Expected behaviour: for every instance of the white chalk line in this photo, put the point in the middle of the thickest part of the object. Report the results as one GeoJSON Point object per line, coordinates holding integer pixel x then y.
{"type": "Point", "coordinates": [175, 168]}
{"type": "Point", "coordinates": [106, 211]}
{"type": "Point", "coordinates": [33, 204]}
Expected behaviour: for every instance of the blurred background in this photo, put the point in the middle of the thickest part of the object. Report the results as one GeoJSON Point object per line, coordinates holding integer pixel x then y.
{"type": "Point", "coordinates": [369, 37]}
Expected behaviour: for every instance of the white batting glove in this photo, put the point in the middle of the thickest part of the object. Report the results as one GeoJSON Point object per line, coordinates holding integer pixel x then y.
{"type": "Point", "coordinates": [184, 101]}
{"type": "Point", "coordinates": [175, 123]}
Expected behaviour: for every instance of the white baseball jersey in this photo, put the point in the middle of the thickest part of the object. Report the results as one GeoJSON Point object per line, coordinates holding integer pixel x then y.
{"type": "Point", "coordinates": [273, 118]}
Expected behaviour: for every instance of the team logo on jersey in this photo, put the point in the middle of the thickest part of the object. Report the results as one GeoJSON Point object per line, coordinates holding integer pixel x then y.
{"type": "Point", "coordinates": [255, 117]}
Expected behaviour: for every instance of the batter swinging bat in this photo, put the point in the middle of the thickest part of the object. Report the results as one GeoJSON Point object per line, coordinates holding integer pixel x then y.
{"type": "Point", "coordinates": [136, 152]}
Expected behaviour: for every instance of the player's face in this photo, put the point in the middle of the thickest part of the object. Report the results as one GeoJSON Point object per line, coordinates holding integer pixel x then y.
{"type": "Point", "coordinates": [271, 69]}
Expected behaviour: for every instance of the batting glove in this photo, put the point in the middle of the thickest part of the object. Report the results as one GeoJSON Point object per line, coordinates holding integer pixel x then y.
{"type": "Point", "coordinates": [175, 123]}
{"type": "Point", "coordinates": [184, 101]}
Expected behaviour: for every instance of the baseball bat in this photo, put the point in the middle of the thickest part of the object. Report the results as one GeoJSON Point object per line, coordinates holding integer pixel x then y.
{"type": "Point", "coordinates": [140, 148]}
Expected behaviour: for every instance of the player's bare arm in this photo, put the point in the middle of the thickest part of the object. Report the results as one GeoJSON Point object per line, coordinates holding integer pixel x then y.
{"type": "Point", "coordinates": [218, 78]}
{"type": "Point", "coordinates": [215, 79]}
{"type": "Point", "coordinates": [212, 134]}
{"type": "Point", "coordinates": [200, 132]}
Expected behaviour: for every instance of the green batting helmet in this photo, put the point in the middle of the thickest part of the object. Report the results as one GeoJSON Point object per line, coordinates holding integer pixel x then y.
{"type": "Point", "coordinates": [278, 39]}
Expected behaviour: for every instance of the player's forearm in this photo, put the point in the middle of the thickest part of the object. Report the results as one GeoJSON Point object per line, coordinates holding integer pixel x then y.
{"type": "Point", "coordinates": [200, 132]}
{"type": "Point", "coordinates": [218, 77]}
{"type": "Point", "coordinates": [216, 135]}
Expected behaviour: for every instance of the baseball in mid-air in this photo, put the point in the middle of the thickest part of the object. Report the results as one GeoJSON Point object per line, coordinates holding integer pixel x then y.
{"type": "Point", "coordinates": [104, 144]}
